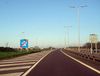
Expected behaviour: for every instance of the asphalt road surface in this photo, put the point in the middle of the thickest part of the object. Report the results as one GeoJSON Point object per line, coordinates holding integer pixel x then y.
{"type": "Point", "coordinates": [58, 64]}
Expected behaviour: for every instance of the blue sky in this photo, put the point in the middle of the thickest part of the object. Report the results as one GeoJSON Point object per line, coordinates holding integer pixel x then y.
{"type": "Point", "coordinates": [43, 21]}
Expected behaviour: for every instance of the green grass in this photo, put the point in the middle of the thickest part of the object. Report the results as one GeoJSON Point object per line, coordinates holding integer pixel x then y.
{"type": "Point", "coordinates": [7, 52]}
{"type": "Point", "coordinates": [12, 54]}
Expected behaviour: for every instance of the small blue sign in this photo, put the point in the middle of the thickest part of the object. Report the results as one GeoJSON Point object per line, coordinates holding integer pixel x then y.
{"type": "Point", "coordinates": [24, 43]}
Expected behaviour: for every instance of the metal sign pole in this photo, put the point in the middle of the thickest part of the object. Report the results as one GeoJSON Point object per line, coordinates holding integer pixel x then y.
{"type": "Point", "coordinates": [96, 47]}
{"type": "Point", "coordinates": [91, 48]}
{"type": "Point", "coordinates": [93, 39]}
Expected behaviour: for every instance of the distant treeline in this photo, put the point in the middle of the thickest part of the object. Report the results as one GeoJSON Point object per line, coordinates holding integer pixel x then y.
{"type": "Point", "coordinates": [35, 49]}
{"type": "Point", "coordinates": [88, 45]}
{"type": "Point", "coordinates": [5, 49]}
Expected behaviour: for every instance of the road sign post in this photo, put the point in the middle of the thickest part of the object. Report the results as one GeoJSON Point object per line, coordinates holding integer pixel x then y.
{"type": "Point", "coordinates": [93, 39]}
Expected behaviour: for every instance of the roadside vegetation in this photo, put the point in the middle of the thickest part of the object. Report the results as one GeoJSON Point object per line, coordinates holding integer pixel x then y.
{"type": "Point", "coordinates": [7, 52]}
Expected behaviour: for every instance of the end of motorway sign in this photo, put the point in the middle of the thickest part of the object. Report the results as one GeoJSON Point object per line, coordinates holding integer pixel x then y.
{"type": "Point", "coordinates": [24, 43]}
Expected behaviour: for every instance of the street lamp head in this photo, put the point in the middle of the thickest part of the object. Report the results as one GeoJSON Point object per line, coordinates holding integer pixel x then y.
{"type": "Point", "coordinates": [82, 6]}
{"type": "Point", "coordinates": [72, 7]}
{"type": "Point", "coordinates": [67, 26]}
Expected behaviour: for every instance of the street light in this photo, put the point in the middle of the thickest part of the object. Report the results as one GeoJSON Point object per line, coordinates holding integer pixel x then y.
{"type": "Point", "coordinates": [67, 27]}
{"type": "Point", "coordinates": [78, 16]}
{"type": "Point", "coordinates": [65, 37]}
{"type": "Point", "coordinates": [7, 44]}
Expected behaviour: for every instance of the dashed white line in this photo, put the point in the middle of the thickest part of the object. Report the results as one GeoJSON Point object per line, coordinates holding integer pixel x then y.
{"type": "Point", "coordinates": [17, 64]}
{"type": "Point", "coordinates": [8, 62]}
{"type": "Point", "coordinates": [12, 74]}
{"type": "Point", "coordinates": [14, 68]}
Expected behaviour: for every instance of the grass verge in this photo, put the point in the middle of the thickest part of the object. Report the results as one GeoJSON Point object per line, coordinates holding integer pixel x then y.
{"type": "Point", "coordinates": [11, 54]}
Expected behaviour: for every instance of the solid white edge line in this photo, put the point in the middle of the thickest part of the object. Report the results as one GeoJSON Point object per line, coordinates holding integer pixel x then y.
{"type": "Point", "coordinates": [88, 66]}
{"type": "Point", "coordinates": [35, 64]}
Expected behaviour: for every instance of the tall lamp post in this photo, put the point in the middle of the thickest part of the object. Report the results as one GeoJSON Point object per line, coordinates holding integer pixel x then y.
{"type": "Point", "coordinates": [78, 16]}
{"type": "Point", "coordinates": [65, 38]}
{"type": "Point", "coordinates": [67, 27]}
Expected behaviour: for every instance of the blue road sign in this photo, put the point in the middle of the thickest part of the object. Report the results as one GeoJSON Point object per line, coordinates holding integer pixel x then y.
{"type": "Point", "coordinates": [24, 43]}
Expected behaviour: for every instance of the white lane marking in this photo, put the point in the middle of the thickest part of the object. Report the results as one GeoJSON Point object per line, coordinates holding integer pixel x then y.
{"type": "Point", "coordinates": [88, 66]}
{"type": "Point", "coordinates": [17, 64]}
{"type": "Point", "coordinates": [35, 64]}
{"type": "Point", "coordinates": [14, 68]}
{"type": "Point", "coordinates": [34, 57]}
{"type": "Point", "coordinates": [24, 59]}
{"type": "Point", "coordinates": [9, 62]}
{"type": "Point", "coordinates": [12, 74]}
